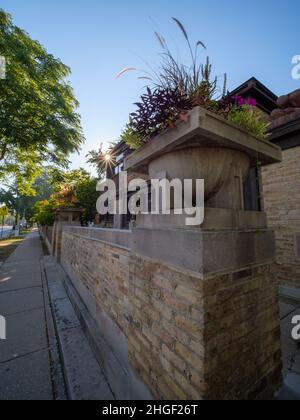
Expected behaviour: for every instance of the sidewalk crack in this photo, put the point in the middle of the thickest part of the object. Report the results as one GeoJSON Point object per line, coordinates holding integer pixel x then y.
{"type": "Point", "coordinates": [24, 355]}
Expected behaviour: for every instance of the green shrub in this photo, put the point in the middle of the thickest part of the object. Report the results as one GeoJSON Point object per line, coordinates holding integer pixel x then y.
{"type": "Point", "coordinates": [44, 211]}
{"type": "Point", "coordinates": [251, 119]}
{"type": "Point", "coordinates": [131, 137]}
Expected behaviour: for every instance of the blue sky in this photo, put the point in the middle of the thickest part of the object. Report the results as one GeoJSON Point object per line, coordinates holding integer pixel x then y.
{"type": "Point", "coordinates": [98, 38]}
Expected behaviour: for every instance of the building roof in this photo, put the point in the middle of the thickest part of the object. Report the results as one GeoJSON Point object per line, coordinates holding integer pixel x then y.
{"type": "Point", "coordinates": [286, 121]}
{"type": "Point", "coordinates": [287, 136]}
{"type": "Point", "coordinates": [266, 99]}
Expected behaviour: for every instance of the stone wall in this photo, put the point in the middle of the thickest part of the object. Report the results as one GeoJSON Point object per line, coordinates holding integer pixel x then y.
{"type": "Point", "coordinates": [103, 269]}
{"type": "Point", "coordinates": [97, 262]}
{"type": "Point", "coordinates": [281, 190]}
{"type": "Point", "coordinates": [193, 338]}
{"type": "Point", "coordinates": [46, 232]}
{"type": "Point", "coordinates": [178, 334]}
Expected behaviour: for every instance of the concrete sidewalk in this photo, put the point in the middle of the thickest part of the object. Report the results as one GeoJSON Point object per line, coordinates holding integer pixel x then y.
{"type": "Point", "coordinates": [43, 330]}
{"type": "Point", "coordinates": [289, 307]}
{"type": "Point", "coordinates": [25, 370]}
{"type": "Point", "coordinates": [46, 355]}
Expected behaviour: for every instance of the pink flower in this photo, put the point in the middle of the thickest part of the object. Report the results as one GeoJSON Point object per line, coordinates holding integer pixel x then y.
{"type": "Point", "coordinates": [252, 102]}
{"type": "Point", "coordinates": [239, 101]}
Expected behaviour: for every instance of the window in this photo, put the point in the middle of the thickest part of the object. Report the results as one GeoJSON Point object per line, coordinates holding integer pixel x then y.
{"type": "Point", "coordinates": [119, 168]}
{"type": "Point", "coordinates": [120, 157]}
{"type": "Point", "coordinates": [252, 191]}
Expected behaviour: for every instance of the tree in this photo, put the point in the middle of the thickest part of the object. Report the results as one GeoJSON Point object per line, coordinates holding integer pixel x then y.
{"type": "Point", "coordinates": [78, 188]}
{"type": "Point", "coordinates": [44, 211]}
{"type": "Point", "coordinates": [38, 119]}
{"type": "Point", "coordinates": [75, 188]}
{"type": "Point", "coordinates": [14, 201]}
{"type": "Point", "coordinates": [87, 195]}
{"type": "Point", "coordinates": [23, 205]}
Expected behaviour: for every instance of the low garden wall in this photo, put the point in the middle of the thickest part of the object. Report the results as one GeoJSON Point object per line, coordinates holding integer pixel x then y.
{"type": "Point", "coordinates": [174, 333]}
{"type": "Point", "coordinates": [47, 232]}
{"type": "Point", "coordinates": [97, 262]}
{"type": "Point", "coordinates": [281, 186]}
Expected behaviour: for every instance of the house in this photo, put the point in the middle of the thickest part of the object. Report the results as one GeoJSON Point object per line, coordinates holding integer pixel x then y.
{"type": "Point", "coordinates": [274, 189]}
{"type": "Point", "coordinates": [181, 310]}
{"type": "Point", "coordinates": [281, 190]}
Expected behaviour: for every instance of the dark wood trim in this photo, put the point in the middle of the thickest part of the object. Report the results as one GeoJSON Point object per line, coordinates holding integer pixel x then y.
{"type": "Point", "coordinates": [287, 136]}
{"type": "Point", "coordinates": [266, 99]}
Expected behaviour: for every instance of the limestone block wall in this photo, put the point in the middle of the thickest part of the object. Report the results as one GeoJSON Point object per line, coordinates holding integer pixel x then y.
{"type": "Point", "coordinates": [178, 334]}
{"type": "Point", "coordinates": [103, 270]}
{"type": "Point", "coordinates": [281, 190]}
{"type": "Point", "coordinates": [198, 338]}
{"type": "Point", "coordinates": [46, 233]}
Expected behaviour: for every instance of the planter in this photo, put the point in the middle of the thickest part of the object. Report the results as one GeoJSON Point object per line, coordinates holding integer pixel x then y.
{"type": "Point", "coordinates": [215, 165]}
{"type": "Point", "coordinates": [206, 147]}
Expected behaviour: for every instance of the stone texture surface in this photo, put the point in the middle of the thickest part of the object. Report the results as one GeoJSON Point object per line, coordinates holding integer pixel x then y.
{"type": "Point", "coordinates": [216, 338]}
{"type": "Point", "coordinates": [291, 100]}
{"type": "Point", "coordinates": [189, 336]}
{"type": "Point", "coordinates": [104, 271]}
{"type": "Point", "coordinates": [281, 186]}
{"type": "Point", "coordinates": [288, 109]}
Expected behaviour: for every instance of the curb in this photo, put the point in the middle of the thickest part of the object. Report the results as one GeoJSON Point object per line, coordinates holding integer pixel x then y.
{"type": "Point", "coordinates": [83, 374]}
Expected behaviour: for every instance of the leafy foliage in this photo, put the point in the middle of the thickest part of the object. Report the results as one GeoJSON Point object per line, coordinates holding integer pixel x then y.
{"type": "Point", "coordinates": [87, 196]}
{"type": "Point", "coordinates": [249, 118]}
{"type": "Point", "coordinates": [178, 88]}
{"type": "Point", "coordinates": [158, 110]}
{"type": "Point", "coordinates": [21, 167]}
{"type": "Point", "coordinates": [71, 189]}
{"type": "Point", "coordinates": [131, 137]}
{"type": "Point", "coordinates": [3, 212]}
{"type": "Point", "coordinates": [194, 80]}
{"type": "Point", "coordinates": [38, 121]}
{"type": "Point", "coordinates": [44, 211]}
{"type": "Point", "coordinates": [23, 205]}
